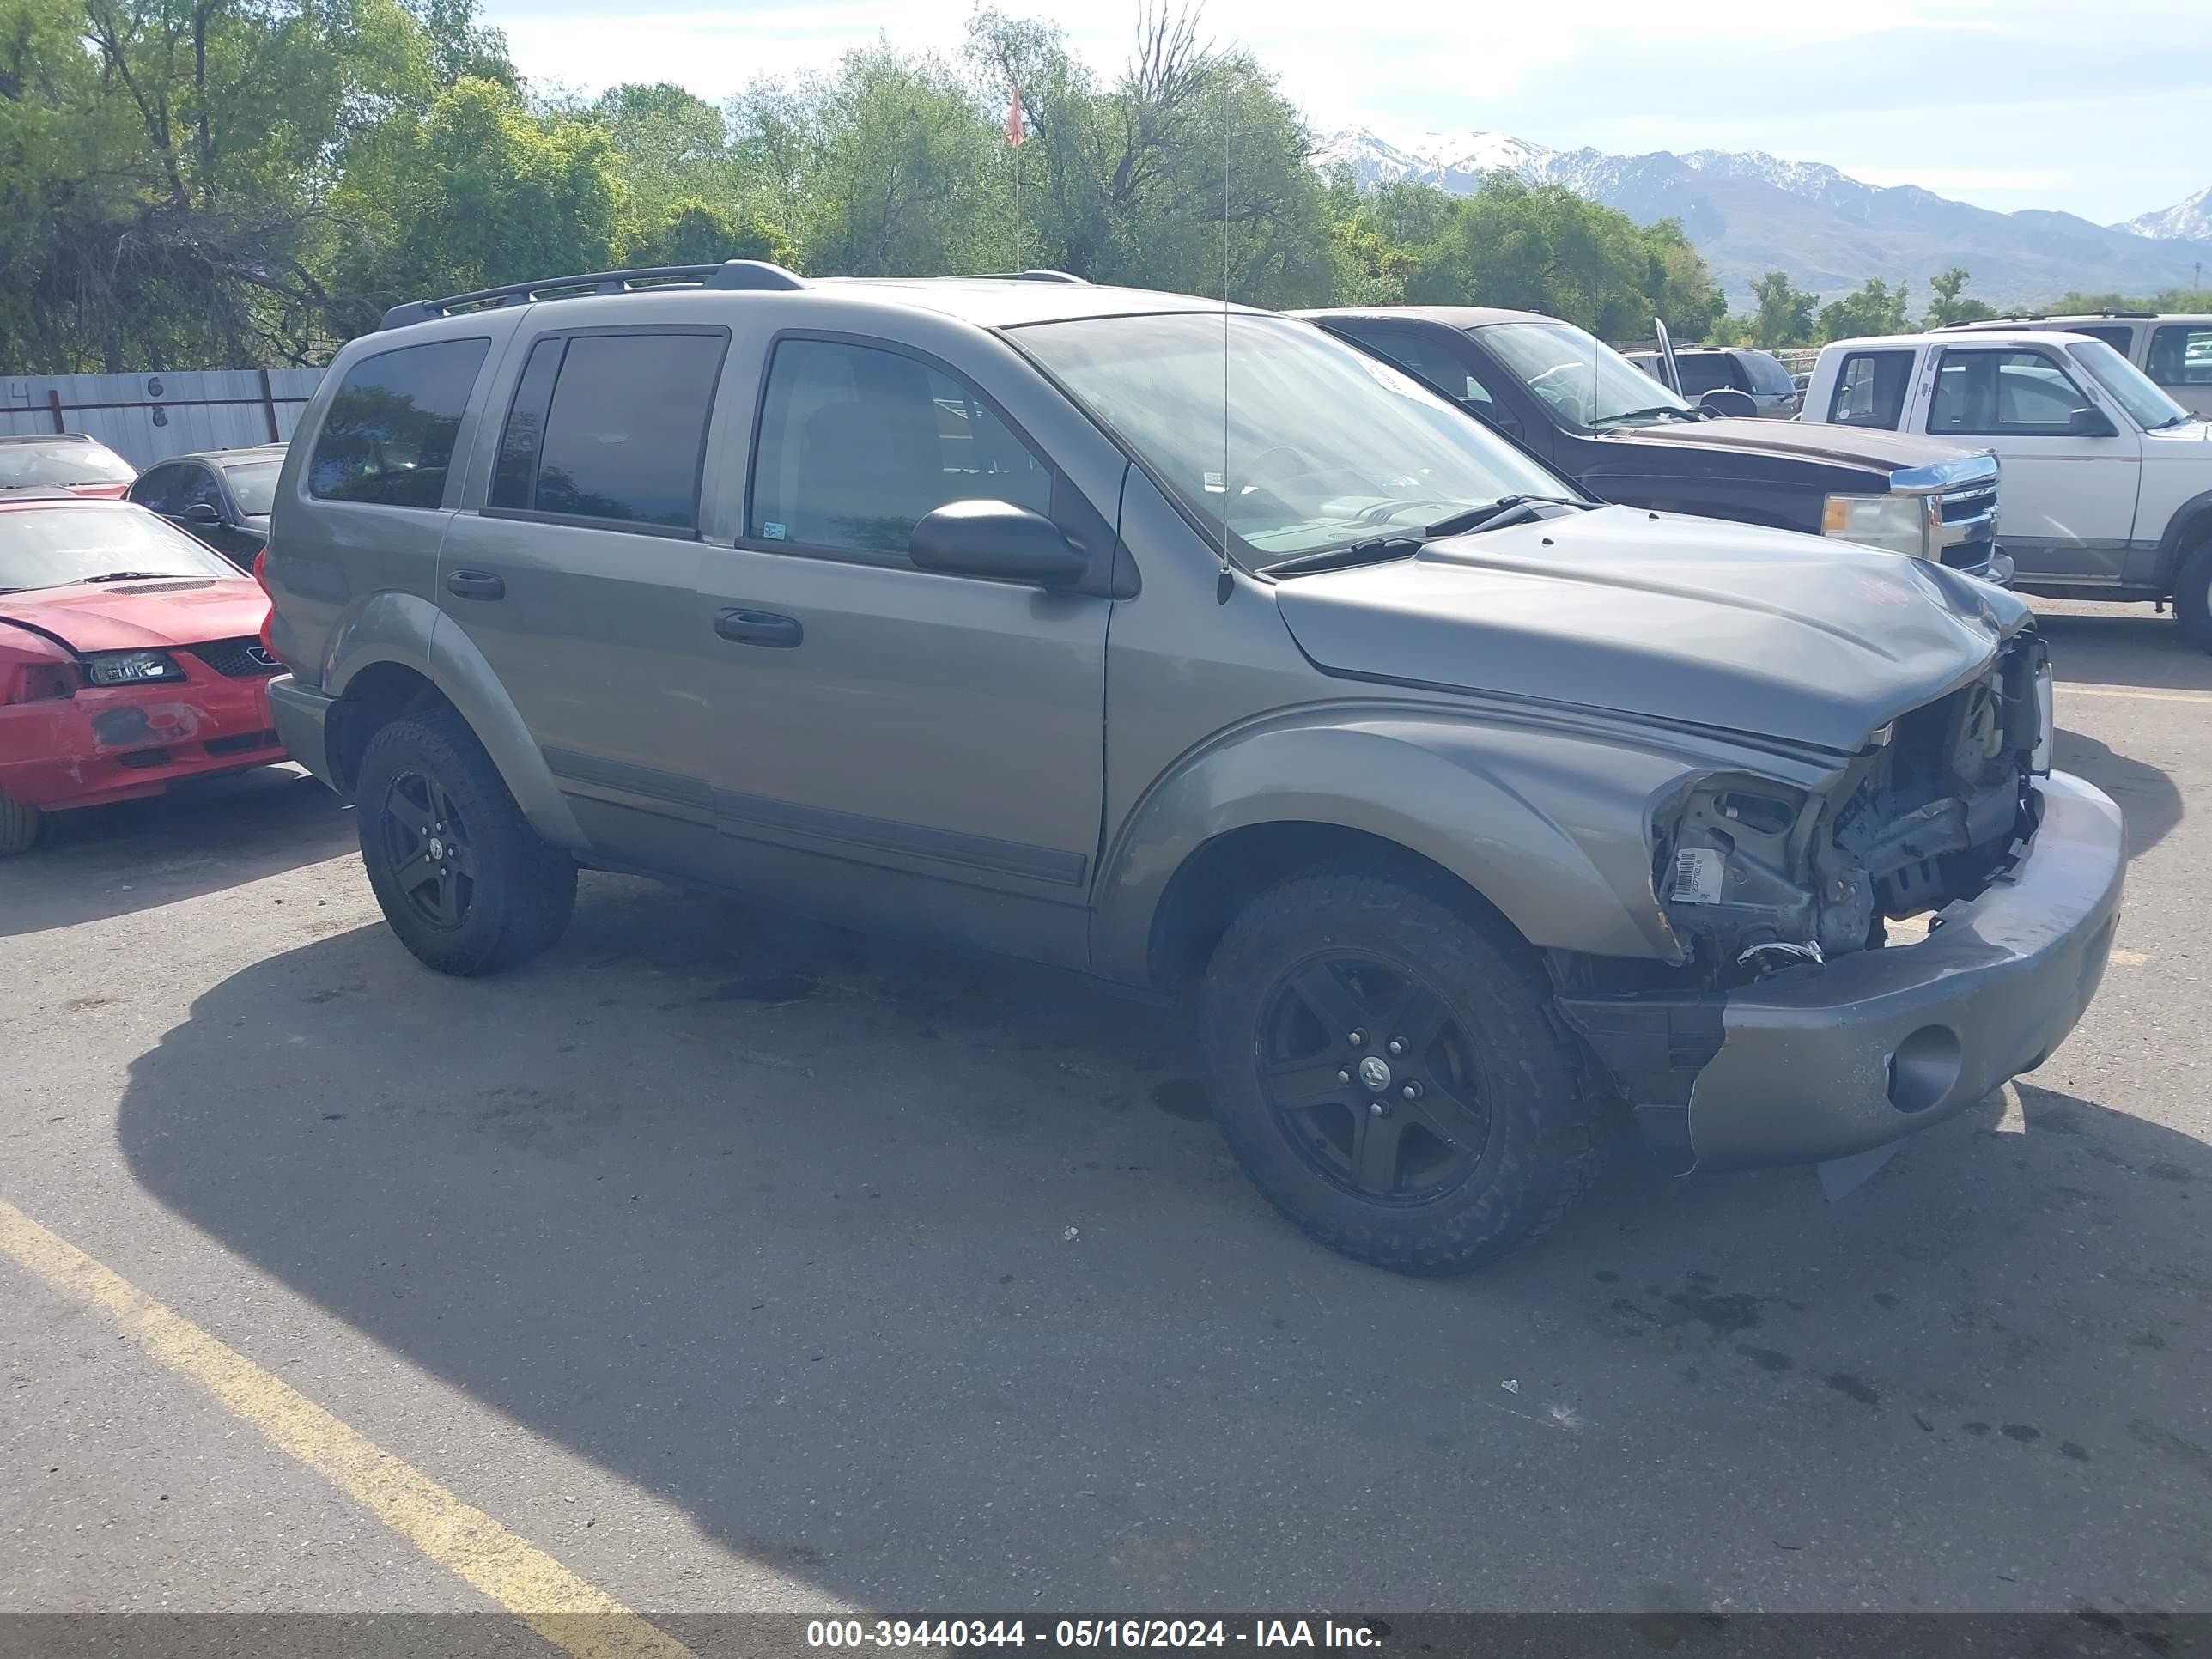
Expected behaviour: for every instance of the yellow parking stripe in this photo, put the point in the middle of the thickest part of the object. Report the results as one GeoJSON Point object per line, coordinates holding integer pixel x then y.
{"type": "Point", "coordinates": [522, 1579]}
{"type": "Point", "coordinates": [2074, 689]}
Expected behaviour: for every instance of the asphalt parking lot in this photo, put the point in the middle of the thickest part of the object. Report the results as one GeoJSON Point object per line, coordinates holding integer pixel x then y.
{"type": "Point", "coordinates": [737, 1264]}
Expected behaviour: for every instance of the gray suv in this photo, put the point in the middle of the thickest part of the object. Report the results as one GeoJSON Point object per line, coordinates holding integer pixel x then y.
{"type": "Point", "coordinates": [1188, 647]}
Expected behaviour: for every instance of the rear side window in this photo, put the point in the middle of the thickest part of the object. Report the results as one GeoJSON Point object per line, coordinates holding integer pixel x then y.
{"type": "Point", "coordinates": [857, 444]}
{"type": "Point", "coordinates": [2120, 339]}
{"type": "Point", "coordinates": [1703, 372]}
{"type": "Point", "coordinates": [2181, 353]}
{"type": "Point", "coordinates": [388, 437]}
{"type": "Point", "coordinates": [1428, 359]}
{"type": "Point", "coordinates": [612, 426]}
{"type": "Point", "coordinates": [1870, 389]}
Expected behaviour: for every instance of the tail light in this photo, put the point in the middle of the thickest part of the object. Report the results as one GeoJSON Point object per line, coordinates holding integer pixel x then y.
{"type": "Point", "coordinates": [261, 575]}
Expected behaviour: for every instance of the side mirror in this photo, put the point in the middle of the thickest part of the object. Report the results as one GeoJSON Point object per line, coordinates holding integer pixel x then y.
{"type": "Point", "coordinates": [202, 512]}
{"type": "Point", "coordinates": [2089, 422]}
{"type": "Point", "coordinates": [995, 539]}
{"type": "Point", "coordinates": [1726, 400]}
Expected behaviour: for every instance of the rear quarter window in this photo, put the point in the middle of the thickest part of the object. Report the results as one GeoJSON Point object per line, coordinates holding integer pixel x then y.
{"type": "Point", "coordinates": [1871, 388]}
{"type": "Point", "coordinates": [388, 435]}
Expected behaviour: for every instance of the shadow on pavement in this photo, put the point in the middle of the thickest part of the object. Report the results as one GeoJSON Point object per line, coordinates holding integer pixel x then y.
{"type": "Point", "coordinates": [2149, 798]}
{"type": "Point", "coordinates": [2133, 647]}
{"type": "Point", "coordinates": [924, 1281]}
{"type": "Point", "coordinates": [202, 837]}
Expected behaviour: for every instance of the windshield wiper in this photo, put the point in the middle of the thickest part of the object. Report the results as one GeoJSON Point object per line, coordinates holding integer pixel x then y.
{"type": "Point", "coordinates": [1496, 515]}
{"type": "Point", "coordinates": [1469, 521]}
{"type": "Point", "coordinates": [1375, 550]}
{"type": "Point", "coordinates": [125, 576]}
{"type": "Point", "coordinates": [1656, 411]}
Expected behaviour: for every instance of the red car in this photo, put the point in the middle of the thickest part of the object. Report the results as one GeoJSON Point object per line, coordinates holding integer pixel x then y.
{"type": "Point", "coordinates": [63, 460]}
{"type": "Point", "coordinates": [129, 658]}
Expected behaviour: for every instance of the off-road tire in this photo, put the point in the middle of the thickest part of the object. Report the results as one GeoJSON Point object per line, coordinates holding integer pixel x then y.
{"type": "Point", "coordinates": [2192, 597]}
{"type": "Point", "coordinates": [19, 826]}
{"type": "Point", "coordinates": [1545, 1121]}
{"type": "Point", "coordinates": [522, 889]}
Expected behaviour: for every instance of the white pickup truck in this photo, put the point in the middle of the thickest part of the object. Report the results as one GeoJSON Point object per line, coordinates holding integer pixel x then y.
{"type": "Point", "coordinates": [2107, 482]}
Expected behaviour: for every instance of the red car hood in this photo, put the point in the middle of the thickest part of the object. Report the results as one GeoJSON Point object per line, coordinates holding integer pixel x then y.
{"type": "Point", "coordinates": [143, 614]}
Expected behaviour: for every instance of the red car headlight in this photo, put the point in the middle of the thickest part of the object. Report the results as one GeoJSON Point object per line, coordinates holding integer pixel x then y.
{"type": "Point", "coordinates": [131, 667]}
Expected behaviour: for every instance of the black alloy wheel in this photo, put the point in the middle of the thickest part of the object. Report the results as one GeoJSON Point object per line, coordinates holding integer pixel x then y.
{"type": "Point", "coordinates": [426, 842]}
{"type": "Point", "coordinates": [1370, 1077]}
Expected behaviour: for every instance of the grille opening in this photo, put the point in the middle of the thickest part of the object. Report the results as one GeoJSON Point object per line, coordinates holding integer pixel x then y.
{"type": "Point", "coordinates": [239, 660]}
{"type": "Point", "coordinates": [141, 758]}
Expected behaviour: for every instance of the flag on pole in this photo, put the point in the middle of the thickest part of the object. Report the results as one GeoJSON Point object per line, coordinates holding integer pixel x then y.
{"type": "Point", "coordinates": [1015, 133]}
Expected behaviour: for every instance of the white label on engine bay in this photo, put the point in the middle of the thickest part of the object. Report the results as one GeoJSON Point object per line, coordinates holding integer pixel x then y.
{"type": "Point", "coordinates": [1698, 876]}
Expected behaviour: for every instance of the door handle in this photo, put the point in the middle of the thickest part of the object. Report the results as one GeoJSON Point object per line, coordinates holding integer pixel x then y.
{"type": "Point", "coordinates": [743, 627]}
{"type": "Point", "coordinates": [475, 585]}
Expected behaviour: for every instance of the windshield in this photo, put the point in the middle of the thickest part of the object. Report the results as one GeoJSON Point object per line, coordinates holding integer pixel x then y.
{"type": "Point", "coordinates": [1587, 383]}
{"type": "Point", "coordinates": [53, 546]}
{"type": "Point", "coordinates": [58, 466]}
{"type": "Point", "coordinates": [1324, 445]}
{"type": "Point", "coordinates": [254, 484]}
{"type": "Point", "coordinates": [2134, 390]}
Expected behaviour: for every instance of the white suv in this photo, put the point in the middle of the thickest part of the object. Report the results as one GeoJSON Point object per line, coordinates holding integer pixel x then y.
{"type": "Point", "coordinates": [2174, 348]}
{"type": "Point", "coordinates": [2107, 488]}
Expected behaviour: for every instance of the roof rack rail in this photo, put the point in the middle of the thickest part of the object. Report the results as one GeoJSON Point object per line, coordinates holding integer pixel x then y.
{"type": "Point", "coordinates": [729, 274]}
{"type": "Point", "coordinates": [1039, 275]}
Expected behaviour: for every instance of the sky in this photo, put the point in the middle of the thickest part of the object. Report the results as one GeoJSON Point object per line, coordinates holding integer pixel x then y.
{"type": "Point", "coordinates": [2103, 111]}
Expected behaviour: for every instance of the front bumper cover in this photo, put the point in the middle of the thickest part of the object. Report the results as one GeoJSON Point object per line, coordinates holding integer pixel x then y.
{"type": "Point", "coordinates": [1821, 1062]}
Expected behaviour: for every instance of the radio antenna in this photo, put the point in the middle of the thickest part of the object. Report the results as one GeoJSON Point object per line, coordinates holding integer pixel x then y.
{"type": "Point", "coordinates": [1226, 583]}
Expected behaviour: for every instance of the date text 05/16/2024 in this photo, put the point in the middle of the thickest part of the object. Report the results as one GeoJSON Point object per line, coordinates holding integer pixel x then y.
{"type": "Point", "coordinates": [1074, 1634]}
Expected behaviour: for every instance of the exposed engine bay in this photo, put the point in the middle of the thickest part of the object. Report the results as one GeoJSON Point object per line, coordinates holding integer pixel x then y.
{"type": "Point", "coordinates": [1754, 878]}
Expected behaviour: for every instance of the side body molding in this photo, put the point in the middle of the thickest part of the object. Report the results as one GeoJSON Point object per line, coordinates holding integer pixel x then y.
{"type": "Point", "coordinates": [1549, 820]}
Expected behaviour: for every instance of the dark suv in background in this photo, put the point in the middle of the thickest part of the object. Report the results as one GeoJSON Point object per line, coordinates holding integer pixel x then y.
{"type": "Point", "coordinates": [1759, 374]}
{"type": "Point", "coordinates": [1188, 647]}
{"type": "Point", "coordinates": [1580, 406]}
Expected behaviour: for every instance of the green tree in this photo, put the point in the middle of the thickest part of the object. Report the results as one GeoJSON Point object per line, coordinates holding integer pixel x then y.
{"type": "Point", "coordinates": [1947, 303]}
{"type": "Point", "coordinates": [1875, 308]}
{"type": "Point", "coordinates": [479, 192]}
{"type": "Point", "coordinates": [1782, 313]}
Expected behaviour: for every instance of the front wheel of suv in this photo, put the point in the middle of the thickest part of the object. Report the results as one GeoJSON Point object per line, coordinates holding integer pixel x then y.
{"type": "Point", "coordinates": [1387, 1071]}
{"type": "Point", "coordinates": [464, 881]}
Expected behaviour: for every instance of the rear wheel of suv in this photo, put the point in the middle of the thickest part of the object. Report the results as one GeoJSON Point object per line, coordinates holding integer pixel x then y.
{"type": "Point", "coordinates": [464, 881]}
{"type": "Point", "coordinates": [1388, 1071]}
{"type": "Point", "coordinates": [2192, 597]}
{"type": "Point", "coordinates": [19, 826]}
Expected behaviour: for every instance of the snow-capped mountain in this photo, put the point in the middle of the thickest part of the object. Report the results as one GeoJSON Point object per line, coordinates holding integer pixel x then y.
{"type": "Point", "coordinates": [1749, 212]}
{"type": "Point", "coordinates": [2188, 221]}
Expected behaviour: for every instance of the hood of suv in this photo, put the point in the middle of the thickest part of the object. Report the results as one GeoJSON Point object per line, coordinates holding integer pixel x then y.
{"type": "Point", "coordinates": [1685, 620]}
{"type": "Point", "coordinates": [141, 615]}
{"type": "Point", "coordinates": [1812, 440]}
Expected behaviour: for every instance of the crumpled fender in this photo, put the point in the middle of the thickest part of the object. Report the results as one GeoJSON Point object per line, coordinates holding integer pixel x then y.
{"type": "Point", "coordinates": [1549, 820]}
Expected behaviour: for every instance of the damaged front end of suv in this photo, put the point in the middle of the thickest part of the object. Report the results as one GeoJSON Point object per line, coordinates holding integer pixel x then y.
{"type": "Point", "coordinates": [1755, 876]}
{"type": "Point", "coordinates": [1794, 1029]}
